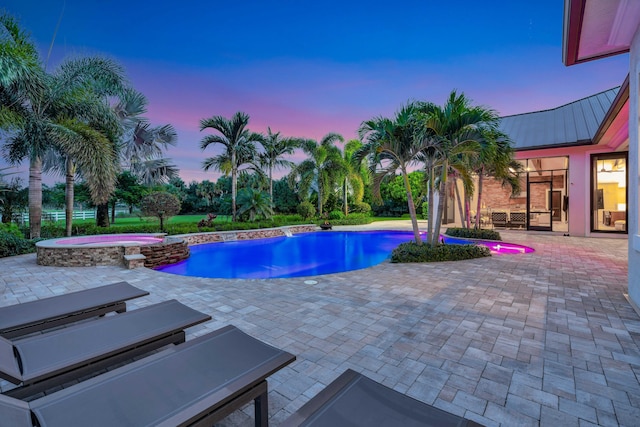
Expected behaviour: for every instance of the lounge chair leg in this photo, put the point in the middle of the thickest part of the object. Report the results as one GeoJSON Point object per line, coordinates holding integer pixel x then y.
{"type": "Point", "coordinates": [261, 406]}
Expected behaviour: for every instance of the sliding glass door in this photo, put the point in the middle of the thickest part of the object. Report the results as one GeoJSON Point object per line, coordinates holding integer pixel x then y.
{"type": "Point", "coordinates": [609, 193]}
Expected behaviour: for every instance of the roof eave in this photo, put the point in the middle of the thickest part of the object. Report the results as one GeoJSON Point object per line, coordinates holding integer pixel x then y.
{"type": "Point", "coordinates": [572, 31]}
{"type": "Point", "coordinates": [621, 98]}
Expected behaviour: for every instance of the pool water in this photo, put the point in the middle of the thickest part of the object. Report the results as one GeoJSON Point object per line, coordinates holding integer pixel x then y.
{"type": "Point", "coordinates": [306, 254]}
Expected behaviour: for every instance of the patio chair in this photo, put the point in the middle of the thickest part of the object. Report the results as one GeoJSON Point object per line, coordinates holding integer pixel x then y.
{"type": "Point", "coordinates": [195, 383]}
{"type": "Point", "coordinates": [499, 219]}
{"type": "Point", "coordinates": [35, 316]}
{"type": "Point", "coordinates": [43, 361]}
{"type": "Point", "coordinates": [355, 400]}
{"type": "Point", "coordinates": [518, 219]}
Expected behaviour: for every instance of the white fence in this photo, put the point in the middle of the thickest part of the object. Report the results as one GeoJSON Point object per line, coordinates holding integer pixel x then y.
{"type": "Point", "coordinates": [60, 215]}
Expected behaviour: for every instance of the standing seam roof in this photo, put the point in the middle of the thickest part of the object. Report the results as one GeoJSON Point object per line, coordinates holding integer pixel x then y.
{"type": "Point", "coordinates": [575, 123]}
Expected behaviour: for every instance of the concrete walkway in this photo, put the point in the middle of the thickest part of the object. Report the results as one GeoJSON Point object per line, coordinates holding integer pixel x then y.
{"type": "Point", "coordinates": [546, 338]}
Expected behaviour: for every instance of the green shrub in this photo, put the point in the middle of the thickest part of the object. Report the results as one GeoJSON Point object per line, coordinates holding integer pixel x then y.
{"type": "Point", "coordinates": [360, 207]}
{"type": "Point", "coordinates": [306, 210]}
{"type": "Point", "coordinates": [473, 233]}
{"type": "Point", "coordinates": [353, 219]}
{"type": "Point", "coordinates": [425, 210]}
{"type": "Point", "coordinates": [335, 215]}
{"type": "Point", "coordinates": [11, 245]}
{"type": "Point", "coordinates": [412, 252]}
{"type": "Point", "coordinates": [11, 228]}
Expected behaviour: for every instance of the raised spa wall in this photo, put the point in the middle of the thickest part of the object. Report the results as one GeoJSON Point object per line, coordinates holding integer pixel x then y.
{"type": "Point", "coordinates": [173, 249]}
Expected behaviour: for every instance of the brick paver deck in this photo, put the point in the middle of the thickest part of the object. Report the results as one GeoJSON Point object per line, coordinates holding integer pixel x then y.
{"type": "Point", "coordinates": [540, 339]}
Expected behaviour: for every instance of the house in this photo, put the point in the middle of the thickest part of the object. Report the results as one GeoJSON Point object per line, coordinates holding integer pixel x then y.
{"type": "Point", "coordinates": [595, 29]}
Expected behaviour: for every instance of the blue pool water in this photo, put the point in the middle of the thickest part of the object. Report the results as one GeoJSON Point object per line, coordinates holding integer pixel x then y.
{"type": "Point", "coordinates": [306, 254]}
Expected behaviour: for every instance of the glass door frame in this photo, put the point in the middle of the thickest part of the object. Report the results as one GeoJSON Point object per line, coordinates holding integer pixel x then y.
{"type": "Point", "coordinates": [549, 184]}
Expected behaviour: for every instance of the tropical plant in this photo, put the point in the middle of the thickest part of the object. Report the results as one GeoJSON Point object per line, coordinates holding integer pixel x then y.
{"type": "Point", "coordinates": [356, 175]}
{"type": "Point", "coordinates": [65, 110]}
{"type": "Point", "coordinates": [160, 204]}
{"type": "Point", "coordinates": [254, 204]}
{"type": "Point", "coordinates": [239, 148]}
{"type": "Point", "coordinates": [321, 171]}
{"type": "Point", "coordinates": [391, 146]}
{"type": "Point", "coordinates": [275, 147]}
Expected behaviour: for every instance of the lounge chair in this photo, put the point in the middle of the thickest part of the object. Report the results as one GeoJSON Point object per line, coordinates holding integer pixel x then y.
{"type": "Point", "coordinates": [35, 316]}
{"type": "Point", "coordinates": [43, 361]}
{"type": "Point", "coordinates": [355, 400]}
{"type": "Point", "coordinates": [195, 383]}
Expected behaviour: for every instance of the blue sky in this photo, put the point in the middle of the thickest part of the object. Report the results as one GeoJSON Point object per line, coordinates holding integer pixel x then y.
{"type": "Point", "coordinates": [307, 68]}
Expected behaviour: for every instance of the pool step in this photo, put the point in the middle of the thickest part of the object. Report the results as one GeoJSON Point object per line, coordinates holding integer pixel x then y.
{"type": "Point", "coordinates": [134, 261]}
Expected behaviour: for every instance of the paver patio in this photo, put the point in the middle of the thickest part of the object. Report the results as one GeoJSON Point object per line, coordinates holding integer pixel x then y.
{"type": "Point", "coordinates": [540, 339]}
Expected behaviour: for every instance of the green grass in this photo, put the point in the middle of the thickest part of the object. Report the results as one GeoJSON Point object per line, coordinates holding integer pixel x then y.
{"type": "Point", "coordinates": [178, 219]}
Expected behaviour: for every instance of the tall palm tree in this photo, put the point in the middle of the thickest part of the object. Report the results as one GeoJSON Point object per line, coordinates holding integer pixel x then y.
{"type": "Point", "coordinates": [239, 148]}
{"type": "Point", "coordinates": [321, 170]}
{"type": "Point", "coordinates": [456, 129]}
{"type": "Point", "coordinates": [275, 147]}
{"type": "Point", "coordinates": [391, 146]}
{"type": "Point", "coordinates": [354, 176]}
{"type": "Point", "coordinates": [41, 110]}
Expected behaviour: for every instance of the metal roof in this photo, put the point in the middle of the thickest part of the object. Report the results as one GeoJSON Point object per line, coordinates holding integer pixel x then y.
{"type": "Point", "coordinates": [575, 123]}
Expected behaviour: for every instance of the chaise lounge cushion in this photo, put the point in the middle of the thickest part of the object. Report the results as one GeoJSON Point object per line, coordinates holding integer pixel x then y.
{"type": "Point", "coordinates": [44, 356]}
{"type": "Point", "coordinates": [354, 400]}
{"type": "Point", "coordinates": [178, 387]}
{"type": "Point", "coordinates": [34, 316]}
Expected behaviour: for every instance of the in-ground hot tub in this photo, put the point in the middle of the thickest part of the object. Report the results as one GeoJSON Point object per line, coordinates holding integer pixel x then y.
{"type": "Point", "coordinates": [131, 250]}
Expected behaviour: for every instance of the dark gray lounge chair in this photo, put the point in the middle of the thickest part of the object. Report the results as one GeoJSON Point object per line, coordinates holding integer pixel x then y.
{"type": "Point", "coordinates": [195, 383]}
{"type": "Point", "coordinates": [43, 361]}
{"type": "Point", "coordinates": [34, 316]}
{"type": "Point", "coordinates": [355, 400]}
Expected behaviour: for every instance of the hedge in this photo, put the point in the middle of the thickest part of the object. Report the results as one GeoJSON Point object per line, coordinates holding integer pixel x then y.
{"type": "Point", "coordinates": [473, 233]}
{"type": "Point", "coordinates": [413, 252]}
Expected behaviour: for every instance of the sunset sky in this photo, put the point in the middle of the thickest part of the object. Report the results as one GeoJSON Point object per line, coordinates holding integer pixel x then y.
{"type": "Point", "coordinates": [306, 68]}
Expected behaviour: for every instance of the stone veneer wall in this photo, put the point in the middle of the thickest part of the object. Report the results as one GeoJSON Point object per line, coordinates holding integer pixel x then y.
{"type": "Point", "coordinates": [170, 251]}
{"type": "Point", "coordinates": [222, 236]}
{"type": "Point", "coordinates": [82, 257]}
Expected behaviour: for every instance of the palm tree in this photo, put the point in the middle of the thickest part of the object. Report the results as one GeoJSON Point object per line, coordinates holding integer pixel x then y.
{"type": "Point", "coordinates": [354, 176]}
{"type": "Point", "coordinates": [254, 203]}
{"type": "Point", "coordinates": [391, 146]}
{"type": "Point", "coordinates": [455, 129]}
{"type": "Point", "coordinates": [239, 148]}
{"type": "Point", "coordinates": [142, 146]}
{"type": "Point", "coordinates": [275, 147]}
{"type": "Point", "coordinates": [321, 170]}
{"type": "Point", "coordinates": [66, 110]}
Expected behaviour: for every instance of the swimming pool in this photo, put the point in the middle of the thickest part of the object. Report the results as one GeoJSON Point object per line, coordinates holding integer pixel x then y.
{"type": "Point", "coordinates": [306, 254]}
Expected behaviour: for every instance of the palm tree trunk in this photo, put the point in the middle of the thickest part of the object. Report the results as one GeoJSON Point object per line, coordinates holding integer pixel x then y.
{"type": "Point", "coordinates": [102, 215]}
{"type": "Point", "coordinates": [459, 201]}
{"type": "Point", "coordinates": [431, 205]}
{"type": "Point", "coordinates": [442, 193]}
{"type": "Point", "coordinates": [271, 186]}
{"type": "Point", "coordinates": [113, 210]}
{"type": "Point", "coordinates": [234, 184]}
{"type": "Point", "coordinates": [35, 196]}
{"type": "Point", "coordinates": [479, 206]}
{"type": "Point", "coordinates": [68, 197]}
{"type": "Point", "coordinates": [345, 202]}
{"type": "Point", "coordinates": [412, 207]}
